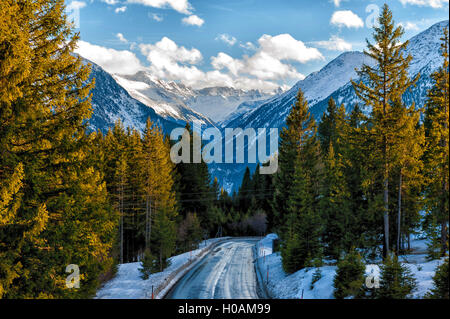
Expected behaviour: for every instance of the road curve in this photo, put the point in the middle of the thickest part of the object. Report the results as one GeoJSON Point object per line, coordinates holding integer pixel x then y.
{"type": "Point", "coordinates": [227, 272]}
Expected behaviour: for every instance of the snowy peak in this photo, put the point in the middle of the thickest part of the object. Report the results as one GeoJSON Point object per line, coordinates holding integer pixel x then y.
{"type": "Point", "coordinates": [166, 98]}
{"type": "Point", "coordinates": [425, 48]}
{"type": "Point", "coordinates": [171, 99]}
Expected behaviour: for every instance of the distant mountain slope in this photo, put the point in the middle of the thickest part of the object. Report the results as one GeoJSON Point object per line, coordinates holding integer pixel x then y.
{"type": "Point", "coordinates": [334, 81]}
{"type": "Point", "coordinates": [111, 102]}
{"type": "Point", "coordinates": [165, 98]}
{"type": "Point", "coordinates": [171, 99]}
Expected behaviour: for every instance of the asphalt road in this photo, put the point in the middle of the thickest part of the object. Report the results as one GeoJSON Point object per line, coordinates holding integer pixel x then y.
{"type": "Point", "coordinates": [225, 273]}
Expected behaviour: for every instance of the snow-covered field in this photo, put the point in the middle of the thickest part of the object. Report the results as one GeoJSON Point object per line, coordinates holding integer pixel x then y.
{"type": "Point", "coordinates": [298, 285]}
{"type": "Point", "coordinates": [128, 284]}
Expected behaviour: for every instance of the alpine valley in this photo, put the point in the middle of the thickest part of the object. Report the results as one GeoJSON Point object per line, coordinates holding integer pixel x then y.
{"type": "Point", "coordinates": [133, 98]}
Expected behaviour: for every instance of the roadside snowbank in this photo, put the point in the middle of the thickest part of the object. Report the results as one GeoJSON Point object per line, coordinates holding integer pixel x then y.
{"type": "Point", "coordinates": [298, 285]}
{"type": "Point", "coordinates": [128, 284]}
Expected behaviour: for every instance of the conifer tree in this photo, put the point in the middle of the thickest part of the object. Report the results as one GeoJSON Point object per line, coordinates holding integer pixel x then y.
{"type": "Point", "coordinates": [327, 126]}
{"type": "Point", "coordinates": [437, 150]}
{"type": "Point", "coordinates": [380, 86]}
{"type": "Point", "coordinates": [335, 207]}
{"type": "Point", "coordinates": [350, 276]}
{"type": "Point", "coordinates": [396, 280]}
{"type": "Point", "coordinates": [441, 282]}
{"type": "Point", "coordinates": [44, 104]}
{"type": "Point", "coordinates": [299, 126]}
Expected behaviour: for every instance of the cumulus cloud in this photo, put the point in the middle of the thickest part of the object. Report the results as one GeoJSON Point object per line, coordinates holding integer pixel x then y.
{"type": "Point", "coordinates": [346, 18]}
{"type": "Point", "coordinates": [113, 61]}
{"type": "Point", "coordinates": [193, 20]}
{"type": "Point", "coordinates": [270, 59]}
{"type": "Point", "coordinates": [120, 9]}
{"type": "Point", "coordinates": [182, 6]}
{"type": "Point", "coordinates": [228, 39]}
{"type": "Point", "coordinates": [426, 3]}
{"type": "Point", "coordinates": [334, 44]}
{"type": "Point", "coordinates": [223, 60]}
{"type": "Point", "coordinates": [268, 66]}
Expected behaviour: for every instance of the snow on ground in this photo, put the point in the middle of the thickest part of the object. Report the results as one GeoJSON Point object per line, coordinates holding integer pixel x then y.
{"type": "Point", "coordinates": [128, 284]}
{"type": "Point", "coordinates": [298, 285]}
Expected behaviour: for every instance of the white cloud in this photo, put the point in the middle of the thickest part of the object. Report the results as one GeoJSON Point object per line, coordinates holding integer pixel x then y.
{"type": "Point", "coordinates": [223, 60]}
{"type": "Point", "coordinates": [113, 61]}
{"type": "Point", "coordinates": [228, 39]}
{"type": "Point", "coordinates": [334, 44]}
{"type": "Point", "coordinates": [121, 9]}
{"type": "Point", "coordinates": [155, 16]}
{"type": "Point", "coordinates": [193, 20]}
{"type": "Point", "coordinates": [346, 18]}
{"type": "Point", "coordinates": [426, 3]}
{"type": "Point", "coordinates": [267, 68]}
{"type": "Point", "coordinates": [173, 62]}
{"type": "Point", "coordinates": [182, 6]}
{"type": "Point", "coordinates": [121, 38]}
{"type": "Point", "coordinates": [285, 47]}
{"type": "Point", "coordinates": [409, 25]}
{"type": "Point", "coordinates": [75, 5]}
{"type": "Point", "coordinates": [269, 60]}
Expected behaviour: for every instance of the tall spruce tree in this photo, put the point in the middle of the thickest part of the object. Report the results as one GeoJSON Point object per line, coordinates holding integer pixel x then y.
{"type": "Point", "coordinates": [335, 207]}
{"type": "Point", "coordinates": [44, 105]}
{"type": "Point", "coordinates": [380, 86]}
{"type": "Point", "coordinates": [437, 150]}
{"type": "Point", "coordinates": [299, 127]}
{"type": "Point", "coordinates": [302, 223]}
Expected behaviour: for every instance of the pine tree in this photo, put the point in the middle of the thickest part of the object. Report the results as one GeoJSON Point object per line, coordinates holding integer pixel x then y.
{"type": "Point", "coordinates": [408, 168]}
{"type": "Point", "coordinates": [160, 186]}
{"type": "Point", "coordinates": [45, 101]}
{"type": "Point", "coordinates": [396, 280]}
{"type": "Point", "coordinates": [299, 126]}
{"type": "Point", "coordinates": [441, 282]}
{"type": "Point", "coordinates": [335, 207]}
{"type": "Point", "coordinates": [382, 85]}
{"type": "Point", "coordinates": [350, 276]}
{"type": "Point", "coordinates": [437, 150]}
{"type": "Point", "coordinates": [304, 225]}
{"type": "Point", "coordinates": [327, 126]}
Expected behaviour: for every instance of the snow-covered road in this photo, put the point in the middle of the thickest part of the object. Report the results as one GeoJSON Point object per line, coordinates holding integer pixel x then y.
{"type": "Point", "coordinates": [227, 272]}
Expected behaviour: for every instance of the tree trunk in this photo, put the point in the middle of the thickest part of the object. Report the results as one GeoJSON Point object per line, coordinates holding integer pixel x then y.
{"type": "Point", "coordinates": [386, 213]}
{"type": "Point", "coordinates": [399, 217]}
{"type": "Point", "coordinates": [409, 241]}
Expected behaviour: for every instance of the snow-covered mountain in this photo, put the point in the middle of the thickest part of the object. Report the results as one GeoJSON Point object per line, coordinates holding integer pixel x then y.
{"type": "Point", "coordinates": [111, 102]}
{"type": "Point", "coordinates": [219, 102]}
{"type": "Point", "coordinates": [167, 99]}
{"type": "Point", "coordinates": [134, 98]}
{"type": "Point", "coordinates": [333, 80]}
{"type": "Point", "coordinates": [171, 99]}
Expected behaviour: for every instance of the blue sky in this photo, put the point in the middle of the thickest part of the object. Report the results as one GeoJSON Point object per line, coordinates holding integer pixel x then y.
{"type": "Point", "coordinates": [241, 43]}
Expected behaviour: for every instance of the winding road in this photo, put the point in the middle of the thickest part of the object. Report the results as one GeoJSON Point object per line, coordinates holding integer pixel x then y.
{"type": "Point", "coordinates": [225, 273]}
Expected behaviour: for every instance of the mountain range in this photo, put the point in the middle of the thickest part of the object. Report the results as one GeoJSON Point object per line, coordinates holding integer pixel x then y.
{"type": "Point", "coordinates": [134, 98]}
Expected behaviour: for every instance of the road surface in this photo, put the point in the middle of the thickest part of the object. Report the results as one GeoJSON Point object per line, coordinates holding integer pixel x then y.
{"type": "Point", "coordinates": [225, 273]}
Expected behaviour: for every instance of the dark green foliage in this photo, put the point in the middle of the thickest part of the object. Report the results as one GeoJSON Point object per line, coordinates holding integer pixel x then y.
{"type": "Point", "coordinates": [149, 265]}
{"type": "Point", "coordinates": [396, 280]}
{"type": "Point", "coordinates": [441, 282]}
{"type": "Point", "coordinates": [349, 279]}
